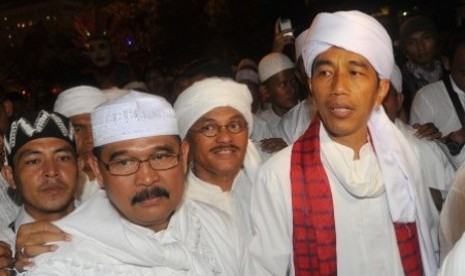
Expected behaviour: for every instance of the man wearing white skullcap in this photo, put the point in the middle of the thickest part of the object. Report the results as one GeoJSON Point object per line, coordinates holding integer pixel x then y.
{"type": "Point", "coordinates": [294, 122]}
{"type": "Point", "coordinates": [214, 117]}
{"type": "Point", "coordinates": [279, 84]}
{"type": "Point", "coordinates": [76, 103]}
{"type": "Point", "coordinates": [347, 197]}
{"type": "Point", "coordinates": [139, 224]}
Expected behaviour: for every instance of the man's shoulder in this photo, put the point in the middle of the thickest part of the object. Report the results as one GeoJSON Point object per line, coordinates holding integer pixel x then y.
{"type": "Point", "coordinates": [432, 89]}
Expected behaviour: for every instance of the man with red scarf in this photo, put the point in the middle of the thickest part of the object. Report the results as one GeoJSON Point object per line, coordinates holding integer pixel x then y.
{"type": "Point", "coordinates": [347, 197]}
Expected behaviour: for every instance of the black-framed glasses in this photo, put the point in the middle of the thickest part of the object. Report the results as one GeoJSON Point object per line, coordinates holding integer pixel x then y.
{"type": "Point", "coordinates": [130, 165]}
{"type": "Point", "coordinates": [212, 129]}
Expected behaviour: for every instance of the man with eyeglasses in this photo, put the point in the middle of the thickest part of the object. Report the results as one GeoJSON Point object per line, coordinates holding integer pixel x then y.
{"type": "Point", "coordinates": [215, 117]}
{"type": "Point", "coordinates": [139, 223]}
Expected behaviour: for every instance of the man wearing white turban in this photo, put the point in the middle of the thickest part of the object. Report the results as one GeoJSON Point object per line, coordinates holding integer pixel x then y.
{"type": "Point", "coordinates": [140, 224]}
{"type": "Point", "coordinates": [346, 198]}
{"type": "Point", "coordinates": [214, 117]}
{"type": "Point", "coordinates": [76, 103]}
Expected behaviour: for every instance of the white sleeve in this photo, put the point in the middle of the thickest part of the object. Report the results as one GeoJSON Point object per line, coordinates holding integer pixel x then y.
{"type": "Point", "coordinates": [421, 111]}
{"type": "Point", "coordinates": [270, 251]}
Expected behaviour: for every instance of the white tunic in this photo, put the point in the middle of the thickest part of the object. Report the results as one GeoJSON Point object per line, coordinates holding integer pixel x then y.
{"type": "Point", "coordinates": [235, 203]}
{"type": "Point", "coordinates": [366, 242]}
{"type": "Point", "coordinates": [295, 122]}
{"type": "Point", "coordinates": [432, 104]}
{"type": "Point", "coordinates": [197, 241]}
{"type": "Point", "coordinates": [273, 120]}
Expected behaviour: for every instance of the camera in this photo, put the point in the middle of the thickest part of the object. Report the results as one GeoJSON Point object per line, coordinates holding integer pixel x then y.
{"type": "Point", "coordinates": [453, 146]}
{"type": "Point", "coordinates": [285, 26]}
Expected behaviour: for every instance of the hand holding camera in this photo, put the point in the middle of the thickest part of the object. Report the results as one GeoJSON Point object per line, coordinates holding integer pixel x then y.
{"type": "Point", "coordinates": [283, 34]}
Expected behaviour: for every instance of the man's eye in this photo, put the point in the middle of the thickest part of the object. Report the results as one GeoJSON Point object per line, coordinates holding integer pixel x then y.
{"type": "Point", "coordinates": [77, 129]}
{"type": "Point", "coordinates": [32, 162]}
{"type": "Point", "coordinates": [123, 163]}
{"type": "Point", "coordinates": [208, 127]}
{"type": "Point", "coordinates": [160, 156]}
{"type": "Point", "coordinates": [235, 125]}
{"type": "Point", "coordinates": [65, 158]}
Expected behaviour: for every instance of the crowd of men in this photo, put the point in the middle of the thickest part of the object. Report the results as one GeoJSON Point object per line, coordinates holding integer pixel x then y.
{"type": "Point", "coordinates": [335, 161]}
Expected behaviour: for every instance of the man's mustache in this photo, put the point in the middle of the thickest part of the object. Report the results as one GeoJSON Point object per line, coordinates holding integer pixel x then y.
{"type": "Point", "coordinates": [150, 193]}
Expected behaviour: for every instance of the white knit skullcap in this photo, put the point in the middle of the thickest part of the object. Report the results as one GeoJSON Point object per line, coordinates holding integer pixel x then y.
{"type": "Point", "coordinates": [396, 79]}
{"type": "Point", "coordinates": [272, 64]}
{"type": "Point", "coordinates": [204, 96]}
{"type": "Point", "coordinates": [299, 43]}
{"type": "Point", "coordinates": [78, 100]}
{"type": "Point", "coordinates": [353, 31]}
{"type": "Point", "coordinates": [131, 116]}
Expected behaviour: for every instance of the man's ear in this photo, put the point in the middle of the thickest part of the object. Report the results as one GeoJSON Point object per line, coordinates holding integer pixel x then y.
{"type": "Point", "coordinates": [93, 163]}
{"type": "Point", "coordinates": [185, 156]}
{"type": "Point", "coordinates": [383, 89]}
{"type": "Point", "coordinates": [7, 172]}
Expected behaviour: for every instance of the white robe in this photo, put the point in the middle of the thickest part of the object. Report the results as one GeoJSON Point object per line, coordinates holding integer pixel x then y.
{"type": "Point", "coordinates": [366, 242]}
{"type": "Point", "coordinates": [295, 122]}
{"type": "Point", "coordinates": [197, 241]}
{"type": "Point", "coordinates": [432, 104]}
{"type": "Point", "coordinates": [235, 203]}
{"type": "Point", "coordinates": [273, 120]}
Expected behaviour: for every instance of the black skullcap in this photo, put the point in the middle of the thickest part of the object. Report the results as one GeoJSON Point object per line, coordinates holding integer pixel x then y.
{"type": "Point", "coordinates": [416, 24]}
{"type": "Point", "coordinates": [41, 124]}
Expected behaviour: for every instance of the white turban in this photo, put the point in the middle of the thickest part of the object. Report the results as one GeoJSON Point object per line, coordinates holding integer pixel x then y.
{"type": "Point", "coordinates": [78, 100]}
{"type": "Point", "coordinates": [272, 64]}
{"type": "Point", "coordinates": [134, 115]}
{"type": "Point", "coordinates": [204, 96]}
{"type": "Point", "coordinates": [300, 43]}
{"type": "Point", "coordinates": [353, 31]}
{"type": "Point", "coordinates": [396, 79]}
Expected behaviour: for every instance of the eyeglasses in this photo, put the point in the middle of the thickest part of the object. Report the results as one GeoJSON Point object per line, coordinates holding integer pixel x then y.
{"type": "Point", "coordinates": [157, 161]}
{"type": "Point", "coordinates": [212, 130]}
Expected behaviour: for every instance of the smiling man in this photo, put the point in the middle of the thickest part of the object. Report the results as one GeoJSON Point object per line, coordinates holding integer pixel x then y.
{"type": "Point", "coordinates": [346, 198]}
{"type": "Point", "coordinates": [215, 117]}
{"type": "Point", "coordinates": [139, 223]}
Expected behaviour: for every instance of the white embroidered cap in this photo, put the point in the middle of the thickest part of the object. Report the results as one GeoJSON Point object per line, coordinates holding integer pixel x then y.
{"type": "Point", "coordinates": [300, 43]}
{"type": "Point", "coordinates": [272, 64]}
{"type": "Point", "coordinates": [131, 116]}
{"type": "Point", "coordinates": [78, 100]}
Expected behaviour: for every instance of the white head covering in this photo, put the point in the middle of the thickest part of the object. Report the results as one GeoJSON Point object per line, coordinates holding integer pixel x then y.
{"type": "Point", "coordinates": [354, 31]}
{"type": "Point", "coordinates": [396, 79]}
{"type": "Point", "coordinates": [136, 85]}
{"type": "Point", "coordinates": [114, 92]}
{"type": "Point", "coordinates": [272, 64]}
{"type": "Point", "coordinates": [134, 115]}
{"type": "Point", "coordinates": [300, 43]}
{"type": "Point", "coordinates": [78, 100]}
{"type": "Point", "coordinates": [208, 94]}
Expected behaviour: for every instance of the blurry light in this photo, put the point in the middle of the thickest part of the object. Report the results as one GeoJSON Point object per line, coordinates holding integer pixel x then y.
{"type": "Point", "coordinates": [23, 92]}
{"type": "Point", "coordinates": [5, 18]}
{"type": "Point", "coordinates": [47, 17]}
{"type": "Point", "coordinates": [404, 13]}
{"type": "Point", "coordinates": [10, 36]}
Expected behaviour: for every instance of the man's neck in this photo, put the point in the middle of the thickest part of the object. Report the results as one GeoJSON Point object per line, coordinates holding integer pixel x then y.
{"type": "Point", "coordinates": [224, 181]}
{"type": "Point", "coordinates": [49, 216]}
{"type": "Point", "coordinates": [279, 111]}
{"type": "Point", "coordinates": [354, 141]}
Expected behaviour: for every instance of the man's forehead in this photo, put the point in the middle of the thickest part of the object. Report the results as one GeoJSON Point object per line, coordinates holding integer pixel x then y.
{"type": "Point", "coordinates": [331, 53]}
{"type": "Point", "coordinates": [220, 112]}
